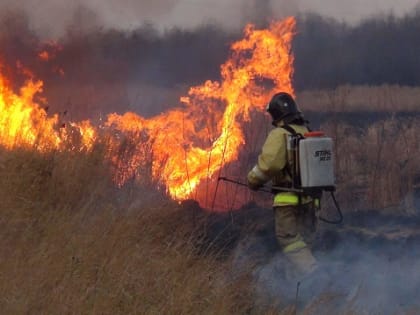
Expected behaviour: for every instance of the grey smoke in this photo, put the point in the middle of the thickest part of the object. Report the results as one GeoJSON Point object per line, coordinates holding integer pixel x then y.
{"type": "Point", "coordinates": [51, 17]}
{"type": "Point", "coordinates": [356, 10]}
{"type": "Point", "coordinates": [370, 270]}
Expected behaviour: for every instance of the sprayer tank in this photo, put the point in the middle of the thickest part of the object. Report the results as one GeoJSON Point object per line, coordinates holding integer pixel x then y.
{"type": "Point", "coordinates": [316, 162]}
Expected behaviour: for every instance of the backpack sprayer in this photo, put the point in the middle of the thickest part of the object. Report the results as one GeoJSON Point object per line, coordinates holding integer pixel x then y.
{"type": "Point", "coordinates": [312, 170]}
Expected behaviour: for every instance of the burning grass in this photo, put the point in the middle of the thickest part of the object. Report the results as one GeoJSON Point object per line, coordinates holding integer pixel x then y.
{"type": "Point", "coordinates": [71, 242]}
{"type": "Point", "coordinates": [189, 143]}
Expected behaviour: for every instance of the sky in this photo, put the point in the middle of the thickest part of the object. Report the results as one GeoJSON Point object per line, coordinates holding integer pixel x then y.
{"type": "Point", "coordinates": [51, 16]}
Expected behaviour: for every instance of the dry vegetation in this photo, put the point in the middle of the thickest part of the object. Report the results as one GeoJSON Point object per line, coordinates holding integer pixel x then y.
{"type": "Point", "coordinates": [376, 163]}
{"type": "Point", "coordinates": [348, 98]}
{"type": "Point", "coordinates": [377, 166]}
{"type": "Point", "coordinates": [72, 244]}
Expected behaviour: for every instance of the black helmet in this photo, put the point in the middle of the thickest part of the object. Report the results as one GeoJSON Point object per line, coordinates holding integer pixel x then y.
{"type": "Point", "coordinates": [283, 107]}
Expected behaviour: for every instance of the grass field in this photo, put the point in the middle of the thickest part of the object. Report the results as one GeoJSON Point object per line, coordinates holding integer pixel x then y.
{"type": "Point", "coordinates": [73, 243]}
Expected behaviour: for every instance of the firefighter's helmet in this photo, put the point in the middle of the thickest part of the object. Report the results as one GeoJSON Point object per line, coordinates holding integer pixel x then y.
{"type": "Point", "coordinates": [282, 106]}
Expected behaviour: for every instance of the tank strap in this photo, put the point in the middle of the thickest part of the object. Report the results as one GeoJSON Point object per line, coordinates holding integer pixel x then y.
{"type": "Point", "coordinates": [293, 174]}
{"type": "Point", "coordinates": [294, 133]}
{"type": "Point", "coordinates": [289, 129]}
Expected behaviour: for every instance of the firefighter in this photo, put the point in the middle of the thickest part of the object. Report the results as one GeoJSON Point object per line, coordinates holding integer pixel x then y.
{"type": "Point", "coordinates": [294, 213]}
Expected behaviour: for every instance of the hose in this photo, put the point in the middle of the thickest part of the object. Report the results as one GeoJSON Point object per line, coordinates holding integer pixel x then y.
{"type": "Point", "coordinates": [337, 206]}
{"type": "Point", "coordinates": [340, 214]}
{"type": "Point", "coordinates": [241, 184]}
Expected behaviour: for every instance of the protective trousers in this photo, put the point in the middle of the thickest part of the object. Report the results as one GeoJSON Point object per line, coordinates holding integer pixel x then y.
{"type": "Point", "coordinates": [295, 228]}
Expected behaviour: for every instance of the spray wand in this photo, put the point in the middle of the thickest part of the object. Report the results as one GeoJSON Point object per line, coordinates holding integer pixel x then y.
{"type": "Point", "coordinates": [241, 184]}
{"type": "Point", "coordinates": [263, 189]}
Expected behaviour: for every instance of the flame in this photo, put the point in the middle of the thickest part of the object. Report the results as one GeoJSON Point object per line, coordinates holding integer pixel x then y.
{"type": "Point", "coordinates": [44, 55]}
{"type": "Point", "coordinates": [180, 135]}
{"type": "Point", "coordinates": [49, 51]}
{"type": "Point", "coordinates": [187, 144]}
{"type": "Point", "coordinates": [25, 123]}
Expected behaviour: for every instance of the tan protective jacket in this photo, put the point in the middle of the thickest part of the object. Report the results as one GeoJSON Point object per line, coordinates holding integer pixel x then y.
{"type": "Point", "coordinates": [273, 163]}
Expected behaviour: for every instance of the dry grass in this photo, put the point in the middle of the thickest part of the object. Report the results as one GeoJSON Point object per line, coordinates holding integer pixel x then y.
{"type": "Point", "coordinates": [377, 166]}
{"type": "Point", "coordinates": [72, 244]}
{"type": "Point", "coordinates": [348, 98]}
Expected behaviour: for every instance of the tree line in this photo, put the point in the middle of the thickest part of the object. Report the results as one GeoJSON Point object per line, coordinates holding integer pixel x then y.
{"type": "Point", "coordinates": [327, 53]}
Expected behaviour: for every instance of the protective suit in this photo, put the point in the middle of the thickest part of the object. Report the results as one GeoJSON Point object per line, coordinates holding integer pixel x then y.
{"type": "Point", "coordinates": [294, 213]}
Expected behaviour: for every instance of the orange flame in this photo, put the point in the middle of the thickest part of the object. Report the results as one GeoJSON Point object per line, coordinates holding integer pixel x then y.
{"type": "Point", "coordinates": [44, 55]}
{"type": "Point", "coordinates": [24, 123]}
{"type": "Point", "coordinates": [188, 144]}
{"type": "Point", "coordinates": [49, 51]}
{"type": "Point", "coordinates": [180, 135]}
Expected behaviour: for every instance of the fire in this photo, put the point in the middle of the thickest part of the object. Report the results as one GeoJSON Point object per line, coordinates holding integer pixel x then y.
{"type": "Point", "coordinates": [25, 123]}
{"type": "Point", "coordinates": [44, 55]}
{"type": "Point", "coordinates": [188, 144]}
{"type": "Point", "coordinates": [49, 51]}
{"type": "Point", "coordinates": [197, 140]}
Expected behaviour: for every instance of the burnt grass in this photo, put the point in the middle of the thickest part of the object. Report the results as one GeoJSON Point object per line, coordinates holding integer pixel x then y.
{"type": "Point", "coordinates": [370, 230]}
{"type": "Point", "coordinates": [371, 258]}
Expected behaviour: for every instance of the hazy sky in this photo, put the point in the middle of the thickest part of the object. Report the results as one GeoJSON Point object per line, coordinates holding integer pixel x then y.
{"type": "Point", "coordinates": [51, 16]}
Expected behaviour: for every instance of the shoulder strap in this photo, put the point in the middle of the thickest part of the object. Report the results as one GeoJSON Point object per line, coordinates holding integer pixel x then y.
{"type": "Point", "coordinates": [292, 131]}
{"type": "Point", "coordinates": [292, 170]}
{"type": "Point", "coordinates": [289, 129]}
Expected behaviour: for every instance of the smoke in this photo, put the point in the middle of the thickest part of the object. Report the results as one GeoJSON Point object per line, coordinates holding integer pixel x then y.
{"type": "Point", "coordinates": [367, 266]}
{"type": "Point", "coordinates": [370, 273]}
{"type": "Point", "coordinates": [355, 11]}
{"type": "Point", "coordinates": [146, 69]}
{"type": "Point", "coordinates": [50, 18]}
{"type": "Point", "coordinates": [95, 71]}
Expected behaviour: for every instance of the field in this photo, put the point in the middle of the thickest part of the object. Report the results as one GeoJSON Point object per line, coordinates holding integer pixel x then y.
{"type": "Point", "coordinates": [73, 243]}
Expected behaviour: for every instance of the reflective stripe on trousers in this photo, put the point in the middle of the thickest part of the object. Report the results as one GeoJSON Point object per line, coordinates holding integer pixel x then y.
{"type": "Point", "coordinates": [291, 199]}
{"type": "Point", "coordinates": [286, 198]}
{"type": "Point", "coordinates": [295, 246]}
